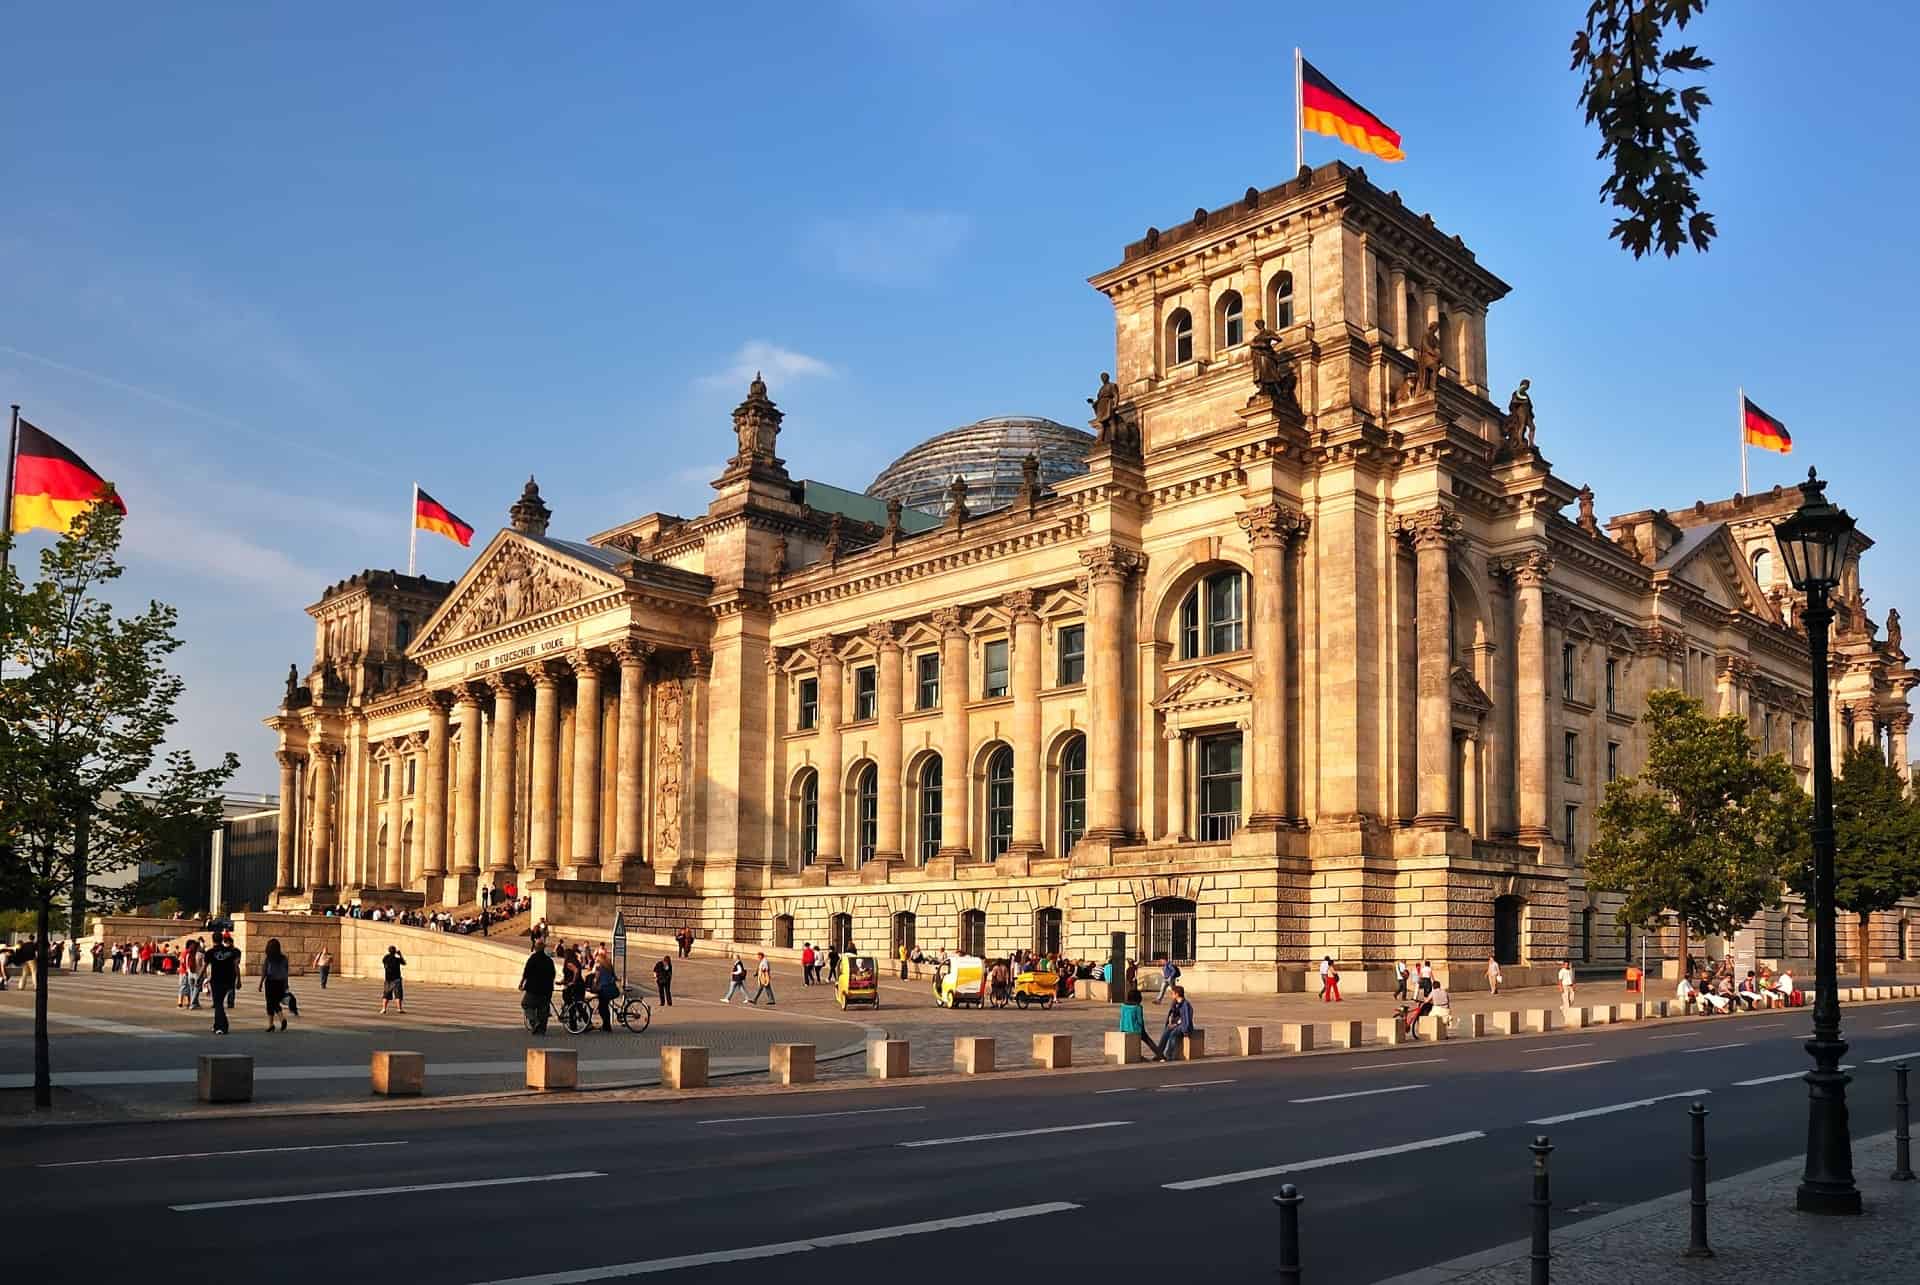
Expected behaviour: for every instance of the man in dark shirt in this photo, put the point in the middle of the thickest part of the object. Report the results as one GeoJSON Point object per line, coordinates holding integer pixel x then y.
{"type": "Point", "coordinates": [223, 965]}
{"type": "Point", "coordinates": [393, 993]}
{"type": "Point", "coordinates": [663, 981]}
{"type": "Point", "coordinates": [536, 980]}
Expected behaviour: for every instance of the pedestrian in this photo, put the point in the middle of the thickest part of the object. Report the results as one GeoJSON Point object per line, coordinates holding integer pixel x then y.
{"type": "Point", "coordinates": [1400, 974]}
{"type": "Point", "coordinates": [324, 962]}
{"type": "Point", "coordinates": [1169, 974]}
{"type": "Point", "coordinates": [1179, 1025]}
{"type": "Point", "coordinates": [1440, 1004]}
{"type": "Point", "coordinates": [833, 966]}
{"type": "Point", "coordinates": [763, 981]}
{"type": "Point", "coordinates": [536, 988]}
{"type": "Point", "coordinates": [189, 973]}
{"type": "Point", "coordinates": [73, 955]}
{"type": "Point", "coordinates": [686, 942]}
{"type": "Point", "coordinates": [393, 992]}
{"type": "Point", "coordinates": [737, 983]}
{"type": "Point", "coordinates": [606, 988]}
{"type": "Point", "coordinates": [28, 957]}
{"type": "Point", "coordinates": [663, 980]}
{"type": "Point", "coordinates": [806, 964]}
{"type": "Point", "coordinates": [1493, 975]}
{"type": "Point", "coordinates": [99, 956]}
{"type": "Point", "coordinates": [275, 972]}
{"type": "Point", "coordinates": [1329, 981]}
{"type": "Point", "coordinates": [223, 975]}
{"type": "Point", "coordinates": [1133, 1021]}
{"type": "Point", "coordinates": [1565, 978]}
{"type": "Point", "coordinates": [1426, 978]}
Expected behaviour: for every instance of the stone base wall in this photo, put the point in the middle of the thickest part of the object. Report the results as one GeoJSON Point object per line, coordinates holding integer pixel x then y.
{"type": "Point", "coordinates": [118, 928]}
{"type": "Point", "coordinates": [301, 937]}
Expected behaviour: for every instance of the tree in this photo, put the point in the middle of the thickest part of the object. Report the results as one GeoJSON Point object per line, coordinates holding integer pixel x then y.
{"type": "Point", "coordinates": [1876, 831]}
{"type": "Point", "coordinates": [1646, 122]}
{"type": "Point", "coordinates": [85, 704]}
{"type": "Point", "coordinates": [1708, 831]}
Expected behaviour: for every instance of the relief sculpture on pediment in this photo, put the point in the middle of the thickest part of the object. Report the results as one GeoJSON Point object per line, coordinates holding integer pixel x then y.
{"type": "Point", "coordinates": [518, 586]}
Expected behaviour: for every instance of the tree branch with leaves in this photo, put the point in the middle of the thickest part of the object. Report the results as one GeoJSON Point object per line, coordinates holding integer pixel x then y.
{"type": "Point", "coordinates": [1876, 840]}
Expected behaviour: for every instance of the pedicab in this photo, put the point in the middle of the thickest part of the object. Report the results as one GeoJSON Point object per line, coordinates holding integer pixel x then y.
{"type": "Point", "coordinates": [961, 982]}
{"type": "Point", "coordinates": [1036, 985]}
{"type": "Point", "coordinates": [857, 984]}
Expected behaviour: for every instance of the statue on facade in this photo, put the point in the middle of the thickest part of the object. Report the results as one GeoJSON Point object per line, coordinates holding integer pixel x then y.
{"type": "Point", "coordinates": [833, 538]}
{"type": "Point", "coordinates": [1273, 373]}
{"type": "Point", "coordinates": [1518, 426]}
{"type": "Point", "coordinates": [780, 556]}
{"type": "Point", "coordinates": [957, 499]}
{"type": "Point", "coordinates": [1427, 368]}
{"type": "Point", "coordinates": [1106, 408]}
{"type": "Point", "coordinates": [293, 671]}
{"type": "Point", "coordinates": [892, 529]}
{"type": "Point", "coordinates": [1587, 521]}
{"type": "Point", "coordinates": [1893, 630]}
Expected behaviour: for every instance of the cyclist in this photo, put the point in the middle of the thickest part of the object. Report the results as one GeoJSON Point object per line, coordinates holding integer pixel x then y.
{"type": "Point", "coordinates": [606, 988]}
{"type": "Point", "coordinates": [536, 980]}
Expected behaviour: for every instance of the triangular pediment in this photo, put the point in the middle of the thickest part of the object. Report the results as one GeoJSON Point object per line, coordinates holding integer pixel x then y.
{"type": "Point", "coordinates": [514, 579]}
{"type": "Point", "coordinates": [1468, 696]}
{"type": "Point", "coordinates": [1714, 567]}
{"type": "Point", "coordinates": [1205, 688]}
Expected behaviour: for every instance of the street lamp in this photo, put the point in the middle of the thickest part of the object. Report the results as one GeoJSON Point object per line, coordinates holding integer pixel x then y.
{"type": "Point", "coordinates": [1814, 544]}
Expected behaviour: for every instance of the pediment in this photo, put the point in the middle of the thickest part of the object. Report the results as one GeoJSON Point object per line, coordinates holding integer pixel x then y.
{"type": "Point", "coordinates": [1206, 688]}
{"type": "Point", "coordinates": [1717, 570]}
{"type": "Point", "coordinates": [1468, 696]}
{"type": "Point", "coordinates": [513, 579]}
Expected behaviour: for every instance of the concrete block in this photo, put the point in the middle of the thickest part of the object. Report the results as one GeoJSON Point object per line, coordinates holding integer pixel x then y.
{"type": "Point", "coordinates": [1539, 1020]}
{"type": "Point", "coordinates": [1662, 1008]}
{"type": "Point", "coordinates": [1190, 1047]}
{"type": "Point", "coordinates": [1469, 1025]}
{"type": "Point", "coordinates": [1575, 1019]}
{"type": "Point", "coordinates": [1349, 1035]}
{"type": "Point", "coordinates": [1882, 992]}
{"type": "Point", "coordinates": [1432, 1027]}
{"type": "Point", "coordinates": [973, 1054]}
{"type": "Point", "coordinates": [1600, 1015]}
{"type": "Point", "coordinates": [1387, 1030]}
{"type": "Point", "coordinates": [1627, 1012]}
{"type": "Point", "coordinates": [1053, 1051]}
{"type": "Point", "coordinates": [790, 1063]}
{"type": "Point", "coordinates": [683, 1066]}
{"type": "Point", "coordinates": [1296, 1037]}
{"type": "Point", "coordinates": [399, 1075]}
{"type": "Point", "coordinates": [1506, 1022]}
{"type": "Point", "coordinates": [887, 1059]}
{"type": "Point", "coordinates": [225, 1077]}
{"type": "Point", "coordinates": [1123, 1048]}
{"type": "Point", "coordinates": [1247, 1040]}
{"type": "Point", "coordinates": [553, 1069]}
{"type": "Point", "coordinates": [1850, 995]}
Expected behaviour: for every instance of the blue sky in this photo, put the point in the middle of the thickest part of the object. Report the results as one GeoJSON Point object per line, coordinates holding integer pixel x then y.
{"type": "Point", "coordinates": [265, 266]}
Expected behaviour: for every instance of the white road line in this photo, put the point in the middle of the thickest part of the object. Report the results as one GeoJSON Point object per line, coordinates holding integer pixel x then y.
{"type": "Point", "coordinates": [1896, 1026]}
{"type": "Point", "coordinates": [1713, 1048]}
{"type": "Point", "coordinates": [1775, 1079]}
{"type": "Point", "coordinates": [1300, 1166]}
{"type": "Point", "coordinates": [1683, 1035]}
{"type": "Point", "coordinates": [1014, 1133]}
{"type": "Point", "coordinates": [1415, 1061]}
{"type": "Point", "coordinates": [385, 1191]}
{"type": "Point", "coordinates": [1568, 1066]}
{"type": "Point", "coordinates": [1618, 1106]}
{"type": "Point", "coordinates": [1894, 1057]}
{"type": "Point", "coordinates": [1101, 1093]}
{"type": "Point", "coordinates": [1553, 1048]}
{"type": "Point", "coordinates": [651, 1266]}
{"type": "Point", "coordinates": [1362, 1093]}
{"type": "Point", "coordinates": [808, 1115]}
{"type": "Point", "coordinates": [101, 1026]}
{"type": "Point", "coordinates": [221, 1155]}
{"type": "Point", "coordinates": [1762, 1025]}
{"type": "Point", "coordinates": [1191, 1084]}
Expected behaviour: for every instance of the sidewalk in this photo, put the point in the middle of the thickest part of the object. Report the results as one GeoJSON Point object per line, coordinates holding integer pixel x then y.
{"type": "Point", "coordinates": [1751, 1225]}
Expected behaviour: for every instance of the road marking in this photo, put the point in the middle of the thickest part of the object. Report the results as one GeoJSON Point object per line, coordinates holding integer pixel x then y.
{"type": "Point", "coordinates": [1775, 1079]}
{"type": "Point", "coordinates": [1191, 1084]}
{"type": "Point", "coordinates": [385, 1191]}
{"type": "Point", "coordinates": [1683, 1035]}
{"type": "Point", "coordinates": [222, 1155]}
{"type": "Point", "coordinates": [1713, 1048]}
{"type": "Point", "coordinates": [1014, 1133]}
{"type": "Point", "coordinates": [1896, 1026]}
{"type": "Point", "coordinates": [1300, 1166]}
{"type": "Point", "coordinates": [1763, 1025]}
{"type": "Point", "coordinates": [102, 1026]}
{"type": "Point", "coordinates": [1568, 1066]}
{"type": "Point", "coordinates": [1552, 1048]}
{"type": "Point", "coordinates": [1101, 1093]}
{"type": "Point", "coordinates": [650, 1266]}
{"type": "Point", "coordinates": [1416, 1061]}
{"type": "Point", "coordinates": [809, 1115]}
{"type": "Point", "coordinates": [1893, 1057]}
{"type": "Point", "coordinates": [1619, 1106]}
{"type": "Point", "coordinates": [1362, 1093]}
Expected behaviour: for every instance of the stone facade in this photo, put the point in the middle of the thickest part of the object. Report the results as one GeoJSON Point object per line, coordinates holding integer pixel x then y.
{"type": "Point", "coordinates": [1309, 660]}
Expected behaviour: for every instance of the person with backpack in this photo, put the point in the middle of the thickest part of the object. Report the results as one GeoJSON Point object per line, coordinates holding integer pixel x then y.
{"type": "Point", "coordinates": [223, 977]}
{"type": "Point", "coordinates": [275, 974]}
{"type": "Point", "coordinates": [737, 983]}
{"type": "Point", "coordinates": [1169, 974]}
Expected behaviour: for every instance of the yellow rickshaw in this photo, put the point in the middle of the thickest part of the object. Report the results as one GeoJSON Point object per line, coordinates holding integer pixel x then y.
{"type": "Point", "coordinates": [1036, 986]}
{"type": "Point", "coordinates": [858, 983]}
{"type": "Point", "coordinates": [961, 982]}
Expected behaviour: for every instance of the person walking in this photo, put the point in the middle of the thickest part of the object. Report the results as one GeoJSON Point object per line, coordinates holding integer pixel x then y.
{"type": "Point", "coordinates": [1425, 977]}
{"type": "Point", "coordinates": [190, 979]}
{"type": "Point", "coordinates": [1400, 974]}
{"type": "Point", "coordinates": [1133, 1021]}
{"type": "Point", "coordinates": [737, 982]}
{"type": "Point", "coordinates": [1329, 981]}
{"type": "Point", "coordinates": [324, 963]}
{"type": "Point", "coordinates": [1565, 978]}
{"type": "Point", "coordinates": [806, 964]}
{"type": "Point", "coordinates": [274, 974]}
{"type": "Point", "coordinates": [663, 980]}
{"type": "Point", "coordinates": [223, 975]}
{"type": "Point", "coordinates": [1169, 974]}
{"type": "Point", "coordinates": [536, 987]}
{"type": "Point", "coordinates": [28, 957]}
{"type": "Point", "coordinates": [686, 942]}
{"type": "Point", "coordinates": [763, 981]}
{"type": "Point", "coordinates": [393, 991]}
{"type": "Point", "coordinates": [1494, 977]}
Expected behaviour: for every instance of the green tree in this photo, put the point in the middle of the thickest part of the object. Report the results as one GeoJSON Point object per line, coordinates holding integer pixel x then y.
{"type": "Point", "coordinates": [85, 703]}
{"type": "Point", "coordinates": [1876, 832]}
{"type": "Point", "coordinates": [1708, 832]}
{"type": "Point", "coordinates": [1646, 120]}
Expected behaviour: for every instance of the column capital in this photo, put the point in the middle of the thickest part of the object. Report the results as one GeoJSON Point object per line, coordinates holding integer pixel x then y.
{"type": "Point", "coordinates": [1435, 528]}
{"type": "Point", "coordinates": [1527, 570]}
{"type": "Point", "coordinates": [884, 635]}
{"type": "Point", "coordinates": [628, 652]}
{"type": "Point", "coordinates": [418, 740]}
{"type": "Point", "coordinates": [699, 662]}
{"type": "Point", "coordinates": [587, 660]}
{"type": "Point", "coordinates": [505, 685]}
{"type": "Point", "coordinates": [1019, 606]}
{"type": "Point", "coordinates": [325, 750]}
{"type": "Point", "coordinates": [948, 621]}
{"type": "Point", "coordinates": [289, 758]}
{"type": "Point", "coordinates": [440, 699]}
{"type": "Point", "coordinates": [471, 694]}
{"type": "Point", "coordinates": [1273, 526]}
{"type": "Point", "coordinates": [776, 660]}
{"type": "Point", "coordinates": [822, 650]}
{"type": "Point", "coordinates": [1173, 734]}
{"type": "Point", "coordinates": [547, 674]}
{"type": "Point", "coordinates": [1112, 562]}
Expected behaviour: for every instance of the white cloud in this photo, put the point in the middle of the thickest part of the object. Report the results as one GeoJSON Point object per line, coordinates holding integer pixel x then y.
{"type": "Point", "coordinates": [190, 542]}
{"type": "Point", "coordinates": [892, 247]}
{"type": "Point", "coordinates": [758, 357]}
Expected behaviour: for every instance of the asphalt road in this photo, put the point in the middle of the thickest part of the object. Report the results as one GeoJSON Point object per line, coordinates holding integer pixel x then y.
{"type": "Point", "coordinates": [1406, 1157]}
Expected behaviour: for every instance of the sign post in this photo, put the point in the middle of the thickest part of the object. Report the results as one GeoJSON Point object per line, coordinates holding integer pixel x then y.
{"type": "Point", "coordinates": [620, 945]}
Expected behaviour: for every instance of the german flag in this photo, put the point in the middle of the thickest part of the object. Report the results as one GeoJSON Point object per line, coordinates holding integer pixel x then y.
{"type": "Point", "coordinates": [52, 486]}
{"type": "Point", "coordinates": [1762, 429]}
{"type": "Point", "coordinates": [431, 515]}
{"type": "Point", "coordinates": [1324, 109]}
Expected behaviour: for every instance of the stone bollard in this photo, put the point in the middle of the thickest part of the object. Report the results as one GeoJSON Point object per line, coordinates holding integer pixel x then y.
{"type": "Point", "coordinates": [553, 1069]}
{"type": "Point", "coordinates": [1433, 1027]}
{"type": "Point", "coordinates": [973, 1054]}
{"type": "Point", "coordinates": [683, 1066]}
{"type": "Point", "coordinates": [1663, 1008]}
{"type": "Point", "coordinates": [1539, 1020]}
{"type": "Point", "coordinates": [1053, 1051]}
{"type": "Point", "coordinates": [225, 1077]}
{"type": "Point", "coordinates": [399, 1075]}
{"type": "Point", "coordinates": [1507, 1022]}
{"type": "Point", "coordinates": [1600, 1015]}
{"type": "Point", "coordinates": [1122, 1048]}
{"type": "Point", "coordinates": [1576, 1018]}
{"type": "Point", "coordinates": [1247, 1040]}
{"type": "Point", "coordinates": [1349, 1035]}
{"type": "Point", "coordinates": [1628, 1012]}
{"type": "Point", "coordinates": [1190, 1047]}
{"type": "Point", "coordinates": [1387, 1030]}
{"type": "Point", "coordinates": [1850, 995]}
{"type": "Point", "coordinates": [887, 1059]}
{"type": "Point", "coordinates": [1470, 1026]}
{"type": "Point", "coordinates": [790, 1063]}
{"type": "Point", "coordinates": [1296, 1037]}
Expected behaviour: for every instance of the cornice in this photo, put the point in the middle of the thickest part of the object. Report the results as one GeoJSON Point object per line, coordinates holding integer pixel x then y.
{"type": "Point", "coordinates": [864, 572]}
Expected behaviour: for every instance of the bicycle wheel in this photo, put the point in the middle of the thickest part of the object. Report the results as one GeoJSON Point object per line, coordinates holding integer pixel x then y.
{"type": "Point", "coordinates": [637, 1015]}
{"type": "Point", "coordinates": [579, 1019]}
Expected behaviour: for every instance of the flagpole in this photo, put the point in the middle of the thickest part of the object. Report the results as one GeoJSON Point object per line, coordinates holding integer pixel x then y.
{"type": "Point", "coordinates": [1741, 419]}
{"type": "Point", "coordinates": [13, 449]}
{"type": "Point", "coordinates": [413, 530]}
{"type": "Point", "coordinates": [1299, 100]}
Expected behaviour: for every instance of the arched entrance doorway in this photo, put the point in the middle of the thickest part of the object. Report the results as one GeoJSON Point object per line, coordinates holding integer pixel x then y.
{"type": "Point", "coordinates": [973, 932]}
{"type": "Point", "coordinates": [840, 933]}
{"type": "Point", "coordinates": [1507, 913]}
{"type": "Point", "coordinates": [783, 931]}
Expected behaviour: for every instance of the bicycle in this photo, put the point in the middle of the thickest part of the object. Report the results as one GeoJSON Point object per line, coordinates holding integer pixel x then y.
{"type": "Point", "coordinates": [575, 1015]}
{"type": "Point", "coordinates": [633, 1011]}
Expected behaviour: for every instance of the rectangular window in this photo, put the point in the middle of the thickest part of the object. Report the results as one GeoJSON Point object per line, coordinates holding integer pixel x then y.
{"type": "Point", "coordinates": [1190, 626]}
{"type": "Point", "coordinates": [1570, 831]}
{"type": "Point", "coordinates": [1613, 760]}
{"type": "Point", "coordinates": [1073, 655]}
{"type": "Point", "coordinates": [926, 671]}
{"type": "Point", "coordinates": [993, 682]}
{"type": "Point", "coordinates": [1219, 787]}
{"type": "Point", "coordinates": [866, 693]}
{"type": "Point", "coordinates": [809, 703]}
{"type": "Point", "coordinates": [1566, 671]}
{"type": "Point", "coordinates": [386, 780]}
{"type": "Point", "coordinates": [930, 803]}
{"type": "Point", "coordinates": [1170, 933]}
{"type": "Point", "coordinates": [1793, 742]}
{"type": "Point", "coordinates": [1226, 613]}
{"type": "Point", "coordinates": [1613, 687]}
{"type": "Point", "coordinates": [411, 765]}
{"type": "Point", "coordinates": [1571, 744]}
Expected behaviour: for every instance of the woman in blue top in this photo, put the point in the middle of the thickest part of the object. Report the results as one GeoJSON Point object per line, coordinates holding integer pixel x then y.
{"type": "Point", "coordinates": [1133, 1021]}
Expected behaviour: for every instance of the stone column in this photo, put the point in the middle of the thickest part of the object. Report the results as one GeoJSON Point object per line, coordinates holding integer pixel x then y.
{"type": "Point", "coordinates": [433, 792]}
{"type": "Point", "coordinates": [629, 796]}
{"type": "Point", "coordinates": [1108, 569]}
{"type": "Point", "coordinates": [1177, 784]}
{"type": "Point", "coordinates": [1270, 529]}
{"type": "Point", "coordinates": [1529, 572]}
{"type": "Point", "coordinates": [466, 838]}
{"type": "Point", "coordinates": [832, 788]}
{"type": "Point", "coordinates": [956, 771]}
{"type": "Point", "coordinates": [1028, 768]}
{"type": "Point", "coordinates": [393, 878]}
{"type": "Point", "coordinates": [1432, 534]}
{"type": "Point", "coordinates": [888, 696]}
{"type": "Point", "coordinates": [325, 757]}
{"type": "Point", "coordinates": [586, 764]}
{"type": "Point", "coordinates": [1397, 307]}
{"type": "Point", "coordinates": [288, 841]}
{"type": "Point", "coordinates": [500, 780]}
{"type": "Point", "coordinates": [1901, 723]}
{"type": "Point", "coordinates": [1202, 309]}
{"type": "Point", "coordinates": [544, 798]}
{"type": "Point", "coordinates": [1253, 301]}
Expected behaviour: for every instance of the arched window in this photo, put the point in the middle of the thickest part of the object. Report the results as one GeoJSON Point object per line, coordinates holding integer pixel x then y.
{"type": "Point", "coordinates": [866, 812]}
{"type": "Point", "coordinates": [905, 925]}
{"type": "Point", "coordinates": [1763, 567]}
{"type": "Point", "coordinates": [1232, 327]}
{"type": "Point", "coordinates": [840, 933]}
{"type": "Point", "coordinates": [1179, 337]}
{"type": "Point", "coordinates": [930, 808]}
{"type": "Point", "coordinates": [1213, 616]}
{"type": "Point", "coordinates": [999, 802]}
{"type": "Point", "coordinates": [1168, 928]}
{"type": "Point", "coordinates": [1073, 793]}
{"type": "Point", "coordinates": [973, 932]}
{"type": "Point", "coordinates": [1280, 301]}
{"type": "Point", "coordinates": [1048, 930]}
{"type": "Point", "coordinates": [1506, 929]}
{"type": "Point", "coordinates": [809, 818]}
{"type": "Point", "coordinates": [783, 931]}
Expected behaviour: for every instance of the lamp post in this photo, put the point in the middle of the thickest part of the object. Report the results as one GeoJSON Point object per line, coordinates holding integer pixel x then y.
{"type": "Point", "coordinates": [1813, 543]}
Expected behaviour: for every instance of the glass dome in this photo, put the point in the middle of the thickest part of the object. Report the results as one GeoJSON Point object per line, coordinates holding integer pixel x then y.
{"type": "Point", "coordinates": [988, 454]}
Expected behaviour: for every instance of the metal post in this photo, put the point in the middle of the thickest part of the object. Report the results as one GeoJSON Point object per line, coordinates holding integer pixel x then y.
{"type": "Point", "coordinates": [1289, 1201]}
{"type": "Point", "coordinates": [1902, 1139]}
{"type": "Point", "coordinates": [1697, 1242]}
{"type": "Point", "coordinates": [1540, 1203]}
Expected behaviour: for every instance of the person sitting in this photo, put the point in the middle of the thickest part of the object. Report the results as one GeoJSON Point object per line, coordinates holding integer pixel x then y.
{"type": "Point", "coordinates": [1688, 994]}
{"type": "Point", "coordinates": [1179, 1025]}
{"type": "Point", "coordinates": [1784, 985]}
{"type": "Point", "coordinates": [1718, 998]}
{"type": "Point", "coordinates": [1750, 992]}
{"type": "Point", "coordinates": [1133, 1021]}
